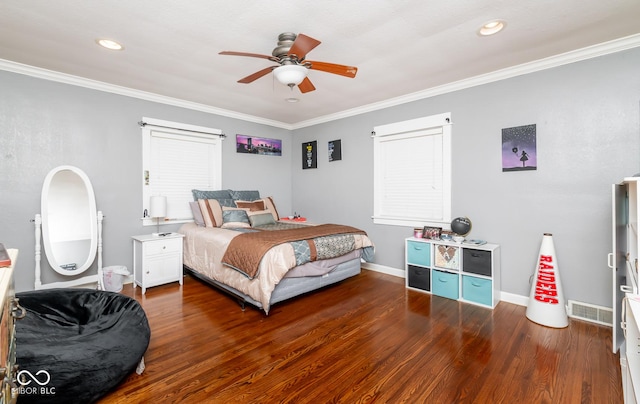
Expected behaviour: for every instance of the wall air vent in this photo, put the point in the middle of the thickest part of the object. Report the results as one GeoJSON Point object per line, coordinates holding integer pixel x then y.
{"type": "Point", "coordinates": [591, 313]}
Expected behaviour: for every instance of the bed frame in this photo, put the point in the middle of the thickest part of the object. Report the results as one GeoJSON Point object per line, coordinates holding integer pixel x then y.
{"type": "Point", "coordinates": [288, 287]}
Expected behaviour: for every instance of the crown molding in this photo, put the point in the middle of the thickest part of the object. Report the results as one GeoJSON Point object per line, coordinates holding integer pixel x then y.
{"type": "Point", "coordinates": [129, 92]}
{"type": "Point", "coordinates": [589, 52]}
{"type": "Point", "coordinates": [617, 45]}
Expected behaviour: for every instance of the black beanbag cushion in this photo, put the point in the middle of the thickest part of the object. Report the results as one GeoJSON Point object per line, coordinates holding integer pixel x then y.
{"type": "Point", "coordinates": [85, 341]}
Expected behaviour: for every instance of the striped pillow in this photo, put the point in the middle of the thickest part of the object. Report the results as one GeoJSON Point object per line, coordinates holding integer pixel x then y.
{"type": "Point", "coordinates": [211, 212]}
{"type": "Point", "coordinates": [271, 207]}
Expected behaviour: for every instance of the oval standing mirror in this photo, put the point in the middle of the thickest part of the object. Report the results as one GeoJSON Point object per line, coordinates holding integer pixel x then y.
{"type": "Point", "coordinates": [69, 220]}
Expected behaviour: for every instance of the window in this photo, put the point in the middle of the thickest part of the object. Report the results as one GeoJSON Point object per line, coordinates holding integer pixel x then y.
{"type": "Point", "coordinates": [412, 172]}
{"type": "Point", "coordinates": [177, 158]}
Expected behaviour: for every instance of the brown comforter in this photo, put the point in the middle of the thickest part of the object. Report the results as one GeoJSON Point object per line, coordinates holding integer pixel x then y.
{"type": "Point", "coordinates": [246, 250]}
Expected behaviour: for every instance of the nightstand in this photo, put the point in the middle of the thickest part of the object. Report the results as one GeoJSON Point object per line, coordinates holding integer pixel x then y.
{"type": "Point", "coordinates": [157, 260]}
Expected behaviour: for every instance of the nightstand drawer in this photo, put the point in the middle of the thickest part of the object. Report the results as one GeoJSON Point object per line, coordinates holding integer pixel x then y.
{"type": "Point", "coordinates": [419, 253]}
{"type": "Point", "coordinates": [477, 290]}
{"type": "Point", "coordinates": [445, 284]}
{"type": "Point", "coordinates": [163, 246]}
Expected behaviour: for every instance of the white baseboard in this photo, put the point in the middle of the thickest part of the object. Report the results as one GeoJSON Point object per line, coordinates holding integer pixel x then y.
{"type": "Point", "coordinates": [383, 269]}
{"type": "Point", "coordinates": [513, 298]}
{"type": "Point", "coordinates": [127, 279]}
{"type": "Point", "coordinates": [504, 296]}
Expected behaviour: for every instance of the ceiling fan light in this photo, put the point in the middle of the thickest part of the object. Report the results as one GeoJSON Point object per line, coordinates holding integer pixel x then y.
{"type": "Point", "coordinates": [290, 75]}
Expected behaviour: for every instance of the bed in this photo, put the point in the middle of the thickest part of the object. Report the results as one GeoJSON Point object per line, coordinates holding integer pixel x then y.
{"type": "Point", "coordinates": [239, 244]}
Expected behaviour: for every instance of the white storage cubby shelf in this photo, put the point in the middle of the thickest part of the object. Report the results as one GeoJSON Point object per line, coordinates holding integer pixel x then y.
{"type": "Point", "coordinates": [466, 272]}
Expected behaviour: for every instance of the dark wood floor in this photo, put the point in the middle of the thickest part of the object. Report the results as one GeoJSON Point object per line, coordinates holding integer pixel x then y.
{"type": "Point", "coordinates": [364, 340]}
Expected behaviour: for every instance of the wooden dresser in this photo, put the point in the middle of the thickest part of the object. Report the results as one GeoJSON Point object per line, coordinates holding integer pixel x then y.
{"type": "Point", "coordinates": [10, 311]}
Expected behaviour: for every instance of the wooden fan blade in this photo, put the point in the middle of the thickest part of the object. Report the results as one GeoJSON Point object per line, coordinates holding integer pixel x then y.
{"type": "Point", "coordinates": [303, 45]}
{"type": "Point", "coordinates": [347, 71]}
{"type": "Point", "coordinates": [255, 76]}
{"type": "Point", "coordinates": [251, 55]}
{"type": "Point", "coordinates": [306, 86]}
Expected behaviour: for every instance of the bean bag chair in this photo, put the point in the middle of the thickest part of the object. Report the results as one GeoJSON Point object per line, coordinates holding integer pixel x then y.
{"type": "Point", "coordinates": [75, 345]}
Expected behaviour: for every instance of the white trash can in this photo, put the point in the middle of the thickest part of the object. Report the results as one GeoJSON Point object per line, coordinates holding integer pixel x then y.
{"type": "Point", "coordinates": [113, 277]}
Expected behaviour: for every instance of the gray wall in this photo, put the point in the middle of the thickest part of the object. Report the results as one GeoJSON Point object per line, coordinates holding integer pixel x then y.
{"type": "Point", "coordinates": [587, 117]}
{"type": "Point", "coordinates": [45, 124]}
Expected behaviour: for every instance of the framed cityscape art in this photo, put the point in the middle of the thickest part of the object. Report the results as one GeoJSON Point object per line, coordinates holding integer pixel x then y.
{"type": "Point", "coordinates": [258, 145]}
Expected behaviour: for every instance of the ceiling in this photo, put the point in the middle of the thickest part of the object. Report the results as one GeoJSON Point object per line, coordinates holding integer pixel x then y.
{"type": "Point", "coordinates": [401, 47]}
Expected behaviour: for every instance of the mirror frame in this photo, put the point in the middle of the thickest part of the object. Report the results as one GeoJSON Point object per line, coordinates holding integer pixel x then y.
{"type": "Point", "coordinates": [87, 190]}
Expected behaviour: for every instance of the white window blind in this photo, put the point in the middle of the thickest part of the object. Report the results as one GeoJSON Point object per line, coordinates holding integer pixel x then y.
{"type": "Point", "coordinates": [412, 172]}
{"type": "Point", "coordinates": [177, 160]}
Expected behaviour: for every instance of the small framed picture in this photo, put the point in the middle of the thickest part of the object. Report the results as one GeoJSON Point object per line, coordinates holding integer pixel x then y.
{"type": "Point", "coordinates": [432, 233]}
{"type": "Point", "coordinates": [335, 150]}
{"type": "Point", "coordinates": [310, 155]}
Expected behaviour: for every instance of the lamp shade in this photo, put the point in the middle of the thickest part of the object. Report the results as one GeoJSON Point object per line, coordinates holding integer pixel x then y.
{"type": "Point", "coordinates": [290, 75]}
{"type": "Point", "coordinates": [158, 206]}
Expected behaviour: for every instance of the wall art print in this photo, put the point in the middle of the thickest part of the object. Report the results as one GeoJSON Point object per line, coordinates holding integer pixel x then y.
{"type": "Point", "coordinates": [258, 145]}
{"type": "Point", "coordinates": [310, 155]}
{"type": "Point", "coordinates": [335, 150]}
{"type": "Point", "coordinates": [519, 151]}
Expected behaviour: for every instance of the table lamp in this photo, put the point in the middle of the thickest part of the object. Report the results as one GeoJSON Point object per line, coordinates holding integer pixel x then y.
{"type": "Point", "coordinates": [158, 210]}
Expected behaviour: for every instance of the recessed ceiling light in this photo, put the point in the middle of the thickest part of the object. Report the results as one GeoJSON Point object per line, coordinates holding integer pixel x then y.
{"type": "Point", "coordinates": [291, 100]}
{"type": "Point", "coordinates": [109, 44]}
{"type": "Point", "coordinates": [492, 27]}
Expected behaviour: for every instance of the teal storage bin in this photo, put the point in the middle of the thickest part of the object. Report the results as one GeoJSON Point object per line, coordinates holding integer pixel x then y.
{"type": "Point", "coordinates": [445, 284]}
{"type": "Point", "coordinates": [419, 253]}
{"type": "Point", "coordinates": [477, 290]}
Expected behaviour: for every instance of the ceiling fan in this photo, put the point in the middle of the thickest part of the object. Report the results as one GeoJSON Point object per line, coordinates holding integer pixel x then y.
{"type": "Point", "coordinates": [293, 67]}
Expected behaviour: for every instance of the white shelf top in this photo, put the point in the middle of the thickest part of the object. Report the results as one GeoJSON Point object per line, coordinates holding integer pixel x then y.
{"type": "Point", "coordinates": [486, 246]}
{"type": "Point", "coordinates": [151, 237]}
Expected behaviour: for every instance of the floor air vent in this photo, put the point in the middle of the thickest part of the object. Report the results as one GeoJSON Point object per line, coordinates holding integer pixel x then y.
{"type": "Point", "coordinates": [590, 312]}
